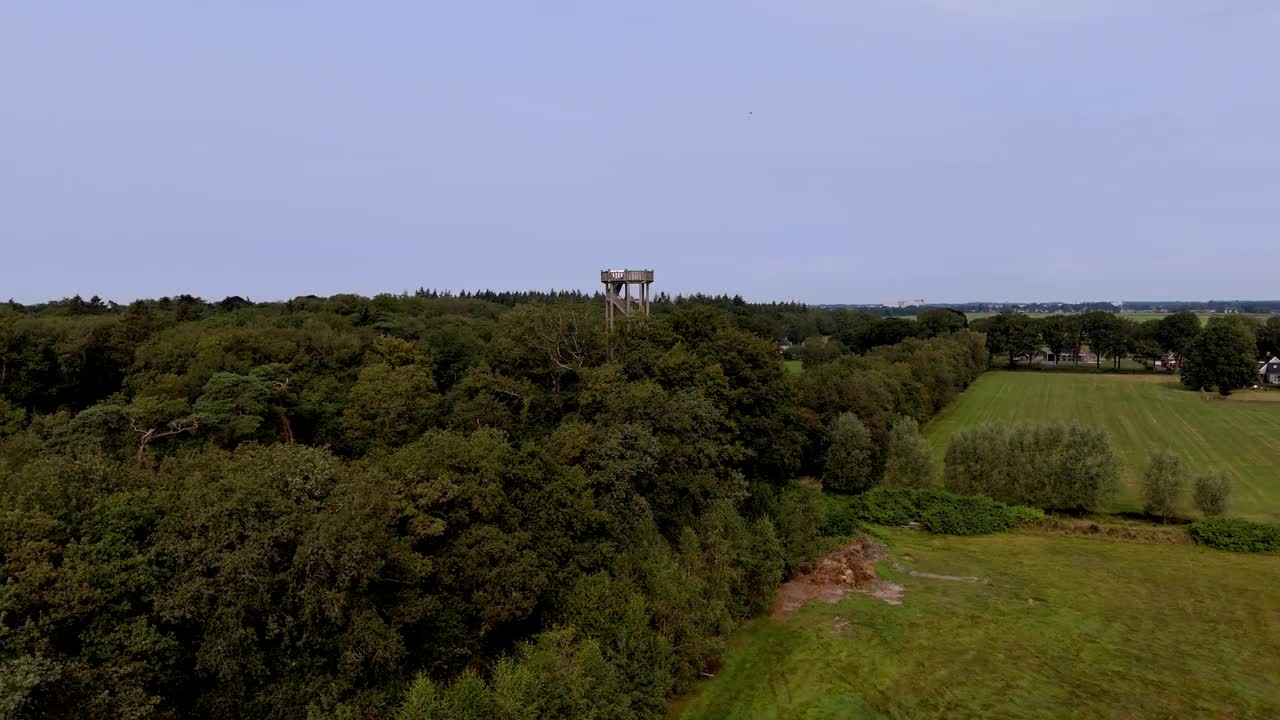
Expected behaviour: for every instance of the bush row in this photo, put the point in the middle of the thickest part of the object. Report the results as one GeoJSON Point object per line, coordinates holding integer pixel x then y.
{"type": "Point", "coordinates": [937, 511]}
{"type": "Point", "coordinates": [1237, 535]}
{"type": "Point", "coordinates": [1052, 466]}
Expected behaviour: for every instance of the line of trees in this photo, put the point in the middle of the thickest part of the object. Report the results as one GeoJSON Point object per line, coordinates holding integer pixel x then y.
{"type": "Point", "coordinates": [1222, 354]}
{"type": "Point", "coordinates": [1051, 466]}
{"type": "Point", "coordinates": [353, 507]}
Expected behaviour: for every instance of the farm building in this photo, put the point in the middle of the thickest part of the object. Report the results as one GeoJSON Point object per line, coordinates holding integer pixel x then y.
{"type": "Point", "coordinates": [1081, 355]}
{"type": "Point", "coordinates": [1269, 371]}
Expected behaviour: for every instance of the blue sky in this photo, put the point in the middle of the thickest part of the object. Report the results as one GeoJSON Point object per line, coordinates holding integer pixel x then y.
{"type": "Point", "coordinates": [852, 151]}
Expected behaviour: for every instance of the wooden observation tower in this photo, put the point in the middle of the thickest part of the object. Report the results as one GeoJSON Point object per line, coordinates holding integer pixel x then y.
{"type": "Point", "coordinates": [619, 297]}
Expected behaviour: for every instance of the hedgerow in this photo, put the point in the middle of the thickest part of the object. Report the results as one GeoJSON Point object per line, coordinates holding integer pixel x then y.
{"type": "Point", "coordinates": [1237, 535]}
{"type": "Point", "coordinates": [937, 511]}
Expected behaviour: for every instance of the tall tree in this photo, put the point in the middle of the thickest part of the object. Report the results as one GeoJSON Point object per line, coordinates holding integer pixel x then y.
{"type": "Point", "coordinates": [1221, 356]}
{"type": "Point", "coordinates": [1176, 331]}
{"type": "Point", "coordinates": [1013, 334]}
{"type": "Point", "coordinates": [849, 467]}
{"type": "Point", "coordinates": [1268, 337]}
{"type": "Point", "coordinates": [1055, 333]}
{"type": "Point", "coordinates": [1105, 334]}
{"type": "Point", "coordinates": [908, 463]}
{"type": "Point", "coordinates": [941, 321]}
{"type": "Point", "coordinates": [1163, 484]}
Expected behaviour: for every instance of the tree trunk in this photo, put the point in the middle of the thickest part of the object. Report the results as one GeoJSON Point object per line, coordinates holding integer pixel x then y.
{"type": "Point", "coordinates": [286, 430]}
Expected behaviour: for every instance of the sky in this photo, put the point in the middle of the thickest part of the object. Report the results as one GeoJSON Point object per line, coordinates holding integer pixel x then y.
{"type": "Point", "coordinates": [851, 151]}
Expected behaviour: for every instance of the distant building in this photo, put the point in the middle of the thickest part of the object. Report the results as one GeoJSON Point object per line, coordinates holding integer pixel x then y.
{"type": "Point", "coordinates": [1269, 371]}
{"type": "Point", "coordinates": [1079, 355]}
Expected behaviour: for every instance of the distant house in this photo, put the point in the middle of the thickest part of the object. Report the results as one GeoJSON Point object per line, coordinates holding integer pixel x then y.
{"type": "Point", "coordinates": [784, 345]}
{"type": "Point", "coordinates": [1269, 371]}
{"type": "Point", "coordinates": [1080, 355]}
{"type": "Point", "coordinates": [1168, 361]}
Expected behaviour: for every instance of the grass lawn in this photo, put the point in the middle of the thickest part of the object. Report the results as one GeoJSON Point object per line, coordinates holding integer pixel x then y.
{"type": "Point", "coordinates": [794, 367]}
{"type": "Point", "coordinates": [1066, 628]}
{"type": "Point", "coordinates": [1240, 434]}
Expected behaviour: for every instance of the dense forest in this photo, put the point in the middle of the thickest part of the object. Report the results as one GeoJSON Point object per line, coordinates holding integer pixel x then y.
{"type": "Point", "coordinates": [419, 505]}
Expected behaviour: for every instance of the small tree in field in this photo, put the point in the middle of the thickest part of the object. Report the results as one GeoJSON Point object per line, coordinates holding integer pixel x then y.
{"type": "Point", "coordinates": [848, 468]}
{"type": "Point", "coordinates": [1212, 493]}
{"type": "Point", "coordinates": [1163, 483]}
{"type": "Point", "coordinates": [908, 462]}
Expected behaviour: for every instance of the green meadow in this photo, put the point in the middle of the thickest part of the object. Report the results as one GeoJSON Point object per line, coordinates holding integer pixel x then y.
{"type": "Point", "coordinates": [1065, 628]}
{"type": "Point", "coordinates": [1240, 434]}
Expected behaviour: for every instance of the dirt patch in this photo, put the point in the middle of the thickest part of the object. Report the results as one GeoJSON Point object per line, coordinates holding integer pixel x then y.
{"type": "Point", "coordinates": [831, 578]}
{"type": "Point", "coordinates": [851, 570]}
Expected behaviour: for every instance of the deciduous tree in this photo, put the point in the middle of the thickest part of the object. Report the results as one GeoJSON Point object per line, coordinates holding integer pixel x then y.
{"type": "Point", "coordinates": [1221, 356]}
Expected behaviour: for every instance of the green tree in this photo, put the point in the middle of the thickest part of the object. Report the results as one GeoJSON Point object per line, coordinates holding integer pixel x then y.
{"type": "Point", "coordinates": [815, 351]}
{"type": "Point", "coordinates": [1013, 334]}
{"type": "Point", "coordinates": [1175, 332]}
{"type": "Point", "coordinates": [467, 698]}
{"type": "Point", "coordinates": [941, 321]}
{"type": "Point", "coordinates": [234, 406]}
{"type": "Point", "coordinates": [388, 406]}
{"type": "Point", "coordinates": [1221, 356]}
{"type": "Point", "coordinates": [1163, 484]}
{"type": "Point", "coordinates": [1056, 334]}
{"type": "Point", "coordinates": [1268, 337]}
{"type": "Point", "coordinates": [1105, 334]}
{"type": "Point", "coordinates": [800, 520]}
{"type": "Point", "coordinates": [848, 466]}
{"type": "Point", "coordinates": [1050, 466]}
{"type": "Point", "coordinates": [1212, 493]}
{"type": "Point", "coordinates": [909, 462]}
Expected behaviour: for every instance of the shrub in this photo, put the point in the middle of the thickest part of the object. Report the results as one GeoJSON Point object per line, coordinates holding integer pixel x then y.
{"type": "Point", "coordinates": [1163, 483]}
{"type": "Point", "coordinates": [975, 515]}
{"type": "Point", "coordinates": [908, 462]}
{"type": "Point", "coordinates": [1237, 535]}
{"type": "Point", "coordinates": [937, 511]}
{"type": "Point", "coordinates": [1212, 493]}
{"type": "Point", "coordinates": [1023, 515]}
{"type": "Point", "coordinates": [848, 465]}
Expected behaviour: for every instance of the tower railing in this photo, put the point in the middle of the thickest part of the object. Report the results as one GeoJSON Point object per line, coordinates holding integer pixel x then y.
{"type": "Point", "coordinates": [618, 296]}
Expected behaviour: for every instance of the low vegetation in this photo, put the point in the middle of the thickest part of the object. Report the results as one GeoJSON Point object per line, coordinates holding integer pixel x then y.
{"type": "Point", "coordinates": [1065, 627]}
{"type": "Point", "coordinates": [1237, 535]}
{"type": "Point", "coordinates": [935, 510]}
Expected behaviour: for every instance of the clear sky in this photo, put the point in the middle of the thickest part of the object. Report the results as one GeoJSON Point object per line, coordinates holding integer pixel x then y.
{"type": "Point", "coordinates": [816, 150]}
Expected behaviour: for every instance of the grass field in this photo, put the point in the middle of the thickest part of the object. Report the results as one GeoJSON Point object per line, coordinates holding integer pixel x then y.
{"type": "Point", "coordinates": [1240, 434]}
{"type": "Point", "coordinates": [794, 367]}
{"type": "Point", "coordinates": [1066, 628]}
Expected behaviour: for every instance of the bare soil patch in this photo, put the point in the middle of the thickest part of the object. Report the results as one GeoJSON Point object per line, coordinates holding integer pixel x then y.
{"type": "Point", "coordinates": [830, 578]}
{"type": "Point", "coordinates": [851, 570]}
